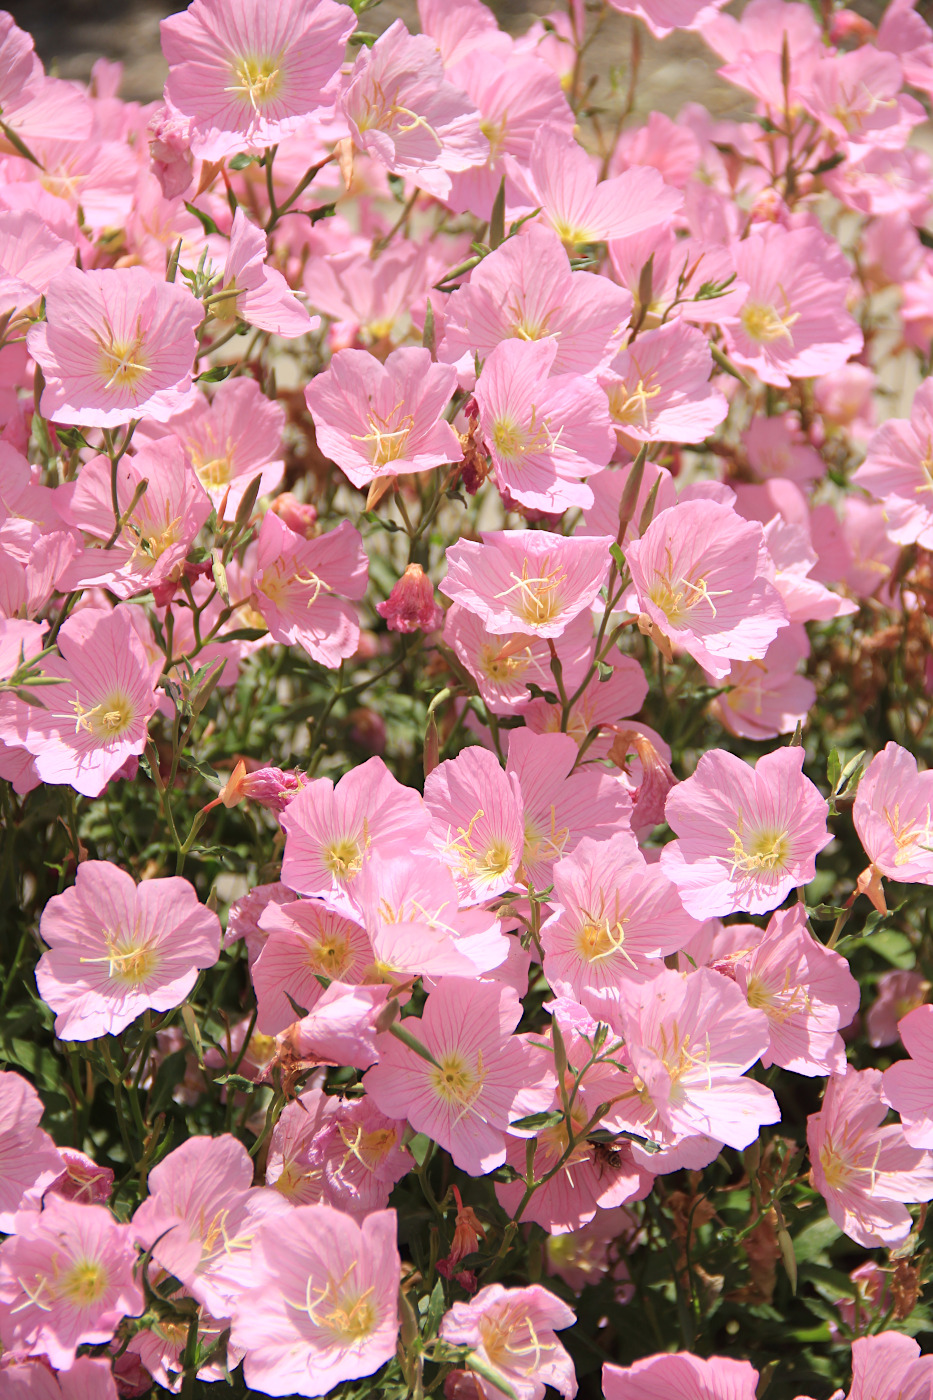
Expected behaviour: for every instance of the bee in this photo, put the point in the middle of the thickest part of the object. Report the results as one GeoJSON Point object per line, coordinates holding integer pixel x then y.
{"type": "Point", "coordinates": [607, 1154]}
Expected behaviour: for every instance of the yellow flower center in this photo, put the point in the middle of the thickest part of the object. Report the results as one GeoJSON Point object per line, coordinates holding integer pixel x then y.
{"type": "Point", "coordinates": [257, 80]}
{"type": "Point", "coordinates": [764, 323]}
{"type": "Point", "coordinates": [121, 363]}
{"type": "Point", "coordinates": [343, 857]}
{"type": "Point", "coordinates": [455, 1080]}
{"type": "Point", "coordinates": [538, 599]}
{"type": "Point", "coordinates": [767, 851]}
{"type": "Point", "coordinates": [110, 717]}
{"type": "Point", "coordinates": [84, 1283]}
{"type": "Point", "coordinates": [628, 405]}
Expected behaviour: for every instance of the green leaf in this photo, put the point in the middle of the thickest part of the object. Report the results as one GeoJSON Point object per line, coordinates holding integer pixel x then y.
{"type": "Point", "coordinates": [236, 1081]}
{"type": "Point", "coordinates": [815, 1239]}
{"type": "Point", "coordinates": [242, 161]}
{"type": "Point", "coordinates": [215, 375]}
{"type": "Point", "coordinates": [244, 634]}
{"type": "Point", "coordinates": [205, 220]}
{"type": "Point", "coordinates": [618, 556]}
{"type": "Point", "coordinates": [497, 218]}
{"type": "Point", "coordinates": [533, 1121]}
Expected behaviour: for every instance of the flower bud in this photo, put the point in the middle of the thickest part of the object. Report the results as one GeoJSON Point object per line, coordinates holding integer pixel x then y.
{"type": "Point", "coordinates": [297, 515]}
{"type": "Point", "coordinates": [410, 607]}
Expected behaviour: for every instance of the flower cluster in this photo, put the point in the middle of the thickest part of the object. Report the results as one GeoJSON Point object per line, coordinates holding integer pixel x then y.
{"type": "Point", "coordinates": [466, 760]}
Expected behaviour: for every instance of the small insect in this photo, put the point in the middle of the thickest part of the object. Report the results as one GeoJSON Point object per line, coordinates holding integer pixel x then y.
{"type": "Point", "coordinates": [607, 1155]}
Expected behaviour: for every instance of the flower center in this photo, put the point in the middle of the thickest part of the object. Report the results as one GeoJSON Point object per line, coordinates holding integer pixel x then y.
{"type": "Point", "coordinates": [121, 363]}
{"type": "Point", "coordinates": [499, 666]}
{"type": "Point", "coordinates": [106, 720]}
{"type": "Point", "coordinates": [767, 852]}
{"type": "Point", "coordinates": [764, 323]}
{"type": "Point", "coordinates": [130, 959]}
{"type": "Point", "coordinates": [343, 857]}
{"type": "Point", "coordinates": [628, 405]}
{"type": "Point", "coordinates": [257, 80]}
{"type": "Point", "coordinates": [84, 1283]}
{"type": "Point", "coordinates": [455, 1080]}
{"type": "Point", "coordinates": [387, 438]}
{"type": "Point", "coordinates": [538, 601]}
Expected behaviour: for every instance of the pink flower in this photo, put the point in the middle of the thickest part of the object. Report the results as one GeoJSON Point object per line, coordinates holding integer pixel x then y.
{"type": "Point", "coordinates": [403, 112]}
{"type": "Point", "coordinates": [658, 386]}
{"type": "Point", "coordinates": [232, 439]}
{"type": "Point", "coordinates": [169, 136]}
{"type": "Point", "coordinates": [66, 1278]}
{"type": "Point", "coordinates": [201, 1216]}
{"type": "Point", "coordinates": [304, 941]}
{"type": "Point", "coordinates": [322, 1304]}
{"type": "Point", "coordinates": [97, 716]}
{"type": "Point", "coordinates": [504, 666]}
{"type": "Point", "coordinates": [526, 290]}
{"type": "Point", "coordinates": [907, 1085]}
{"type": "Point", "coordinates": [806, 991]}
{"type": "Point", "coordinates": [865, 1171]}
{"type": "Point", "coordinates": [856, 97]}
{"type": "Point", "coordinates": [377, 419]}
{"type": "Point", "coordinates": [615, 918]}
{"type": "Point", "coordinates": [699, 572]}
{"type": "Point", "coordinates": [560, 179]}
{"type": "Point", "coordinates": [544, 434]}
{"type": "Point", "coordinates": [372, 301]}
{"type": "Point", "coordinates": [117, 948]}
{"type": "Point", "coordinates": [526, 581]}
{"type": "Point", "coordinates": [514, 94]}
{"type": "Point", "coordinates": [897, 994]}
{"type": "Point", "coordinates": [593, 1251]}
{"type": "Point", "coordinates": [766, 697]}
{"type": "Point", "coordinates": [512, 1331]}
{"type": "Point", "coordinates": [562, 806]}
{"type": "Point", "coordinates": [342, 1152]}
{"type": "Point", "coordinates": [81, 1178]}
{"type": "Point", "coordinates": [296, 584]}
{"type": "Point", "coordinates": [892, 815]}
{"type": "Point", "coordinates": [247, 76]}
{"type": "Point", "coordinates": [29, 1159]}
{"type": "Point", "coordinates": [116, 345]}
{"type": "Point", "coordinates": [748, 836]}
{"type": "Point", "coordinates": [257, 293]}
{"type": "Point", "coordinates": [794, 323]}
{"type": "Point", "coordinates": [672, 1377]}
{"type": "Point", "coordinates": [476, 823]}
{"type": "Point", "coordinates": [752, 48]}
{"type": "Point", "coordinates": [888, 1366]}
{"type": "Point", "coordinates": [479, 1079]}
{"type": "Point", "coordinates": [410, 607]}
{"type": "Point", "coordinates": [689, 1040]}
{"type": "Point", "coordinates": [90, 1378]}
{"type": "Point", "coordinates": [793, 557]}
{"type": "Point", "coordinates": [343, 1028]}
{"type": "Point", "coordinates": [243, 920]}
{"type": "Point", "coordinates": [330, 830]}
{"type": "Point", "coordinates": [602, 706]}
{"type": "Point", "coordinates": [31, 255]}
{"type": "Point", "coordinates": [410, 907]}
{"type": "Point", "coordinates": [898, 471]}
{"type": "Point", "coordinates": [586, 1185]}
{"type": "Point", "coordinates": [158, 532]}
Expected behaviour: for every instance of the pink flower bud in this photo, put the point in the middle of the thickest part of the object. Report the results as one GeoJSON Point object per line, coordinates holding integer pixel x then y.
{"type": "Point", "coordinates": [172, 161]}
{"type": "Point", "coordinates": [297, 515]}
{"type": "Point", "coordinates": [410, 607]}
